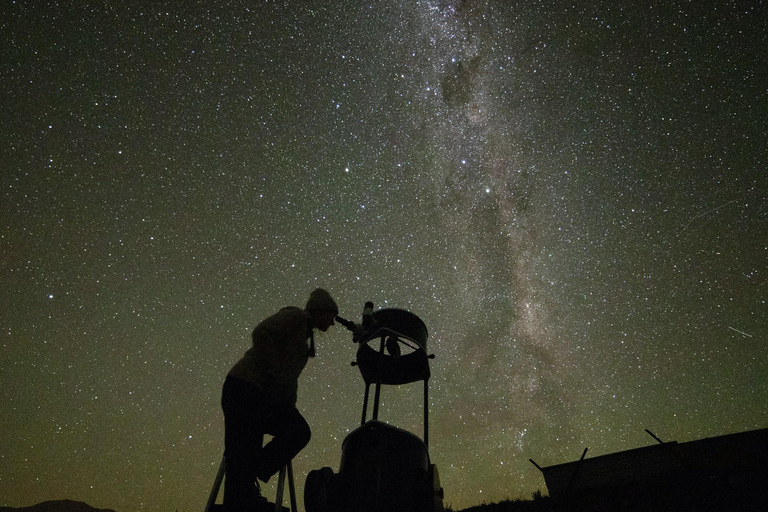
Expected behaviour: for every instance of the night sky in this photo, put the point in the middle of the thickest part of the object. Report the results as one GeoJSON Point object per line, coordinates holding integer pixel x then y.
{"type": "Point", "coordinates": [573, 198]}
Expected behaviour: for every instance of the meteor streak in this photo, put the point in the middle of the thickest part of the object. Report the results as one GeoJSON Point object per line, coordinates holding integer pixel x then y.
{"type": "Point", "coordinates": [740, 332]}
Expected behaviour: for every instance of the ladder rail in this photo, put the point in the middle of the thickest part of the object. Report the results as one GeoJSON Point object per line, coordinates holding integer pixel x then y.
{"type": "Point", "coordinates": [216, 485]}
{"type": "Point", "coordinates": [286, 470]}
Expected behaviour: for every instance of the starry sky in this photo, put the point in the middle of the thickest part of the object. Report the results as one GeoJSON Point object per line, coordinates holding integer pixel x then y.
{"type": "Point", "coordinates": [571, 195]}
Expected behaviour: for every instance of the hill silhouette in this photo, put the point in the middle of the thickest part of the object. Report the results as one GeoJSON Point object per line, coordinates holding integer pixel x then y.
{"type": "Point", "coordinates": [57, 506]}
{"type": "Point", "coordinates": [539, 503]}
{"type": "Point", "coordinates": [79, 506]}
{"type": "Point", "coordinates": [542, 505]}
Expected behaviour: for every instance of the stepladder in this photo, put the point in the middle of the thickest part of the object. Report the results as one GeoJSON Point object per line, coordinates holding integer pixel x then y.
{"type": "Point", "coordinates": [277, 506]}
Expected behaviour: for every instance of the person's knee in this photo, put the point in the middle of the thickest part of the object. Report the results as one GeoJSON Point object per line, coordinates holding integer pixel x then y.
{"type": "Point", "coordinates": [301, 432]}
{"type": "Point", "coordinates": [305, 435]}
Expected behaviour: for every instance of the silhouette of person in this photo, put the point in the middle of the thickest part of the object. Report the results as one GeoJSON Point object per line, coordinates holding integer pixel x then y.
{"type": "Point", "coordinates": [259, 397]}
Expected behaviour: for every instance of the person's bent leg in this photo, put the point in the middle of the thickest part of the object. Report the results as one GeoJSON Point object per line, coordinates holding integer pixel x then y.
{"type": "Point", "coordinates": [243, 437]}
{"type": "Point", "coordinates": [291, 434]}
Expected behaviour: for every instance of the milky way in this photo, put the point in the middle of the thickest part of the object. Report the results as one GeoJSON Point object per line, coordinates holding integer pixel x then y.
{"type": "Point", "coordinates": [573, 199]}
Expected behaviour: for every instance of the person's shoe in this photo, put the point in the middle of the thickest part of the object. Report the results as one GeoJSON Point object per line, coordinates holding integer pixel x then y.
{"type": "Point", "coordinates": [258, 499]}
{"type": "Point", "coordinates": [263, 505]}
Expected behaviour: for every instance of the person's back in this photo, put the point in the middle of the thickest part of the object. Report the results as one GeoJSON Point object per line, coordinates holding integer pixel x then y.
{"type": "Point", "coordinates": [278, 354]}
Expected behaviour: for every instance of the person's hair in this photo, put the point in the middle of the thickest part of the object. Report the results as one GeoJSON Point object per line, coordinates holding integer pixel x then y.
{"type": "Point", "coordinates": [321, 300]}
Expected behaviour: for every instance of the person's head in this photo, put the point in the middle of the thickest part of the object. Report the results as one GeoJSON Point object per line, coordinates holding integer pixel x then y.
{"type": "Point", "coordinates": [322, 308]}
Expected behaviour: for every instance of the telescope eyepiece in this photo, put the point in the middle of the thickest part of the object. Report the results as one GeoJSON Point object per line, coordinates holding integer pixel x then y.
{"type": "Point", "coordinates": [368, 316]}
{"type": "Point", "coordinates": [346, 323]}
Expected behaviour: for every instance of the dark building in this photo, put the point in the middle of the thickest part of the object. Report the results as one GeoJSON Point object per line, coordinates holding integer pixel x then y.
{"type": "Point", "coordinates": [725, 473]}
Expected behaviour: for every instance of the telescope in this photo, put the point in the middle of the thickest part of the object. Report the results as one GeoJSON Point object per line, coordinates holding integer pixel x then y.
{"type": "Point", "coordinates": [383, 468]}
